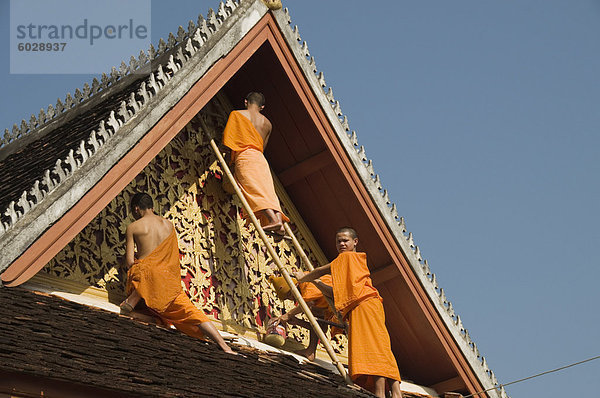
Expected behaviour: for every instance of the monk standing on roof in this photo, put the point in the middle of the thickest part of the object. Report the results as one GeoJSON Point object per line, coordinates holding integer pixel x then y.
{"type": "Point", "coordinates": [370, 357]}
{"type": "Point", "coordinates": [246, 134]}
{"type": "Point", "coordinates": [155, 274]}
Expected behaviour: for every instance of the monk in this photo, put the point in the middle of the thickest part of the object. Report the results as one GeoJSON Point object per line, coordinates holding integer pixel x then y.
{"type": "Point", "coordinates": [370, 359]}
{"type": "Point", "coordinates": [155, 274]}
{"type": "Point", "coordinates": [246, 134]}
{"type": "Point", "coordinates": [317, 303]}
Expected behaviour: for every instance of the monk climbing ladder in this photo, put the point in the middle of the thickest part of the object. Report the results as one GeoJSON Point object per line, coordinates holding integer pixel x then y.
{"type": "Point", "coordinates": [246, 134]}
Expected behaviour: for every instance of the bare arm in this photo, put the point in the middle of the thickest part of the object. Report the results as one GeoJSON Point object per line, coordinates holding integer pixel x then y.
{"type": "Point", "coordinates": [287, 317]}
{"type": "Point", "coordinates": [314, 274]}
{"type": "Point", "coordinates": [129, 246]}
{"type": "Point", "coordinates": [324, 288]}
{"type": "Point", "coordinates": [291, 313]}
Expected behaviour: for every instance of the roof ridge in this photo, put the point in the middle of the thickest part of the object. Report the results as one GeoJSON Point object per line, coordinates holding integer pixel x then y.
{"type": "Point", "coordinates": [181, 49]}
{"type": "Point", "coordinates": [136, 65]}
{"type": "Point", "coordinates": [383, 201]}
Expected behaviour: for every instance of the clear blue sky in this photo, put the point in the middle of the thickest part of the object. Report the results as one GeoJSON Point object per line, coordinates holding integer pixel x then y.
{"type": "Point", "coordinates": [482, 119]}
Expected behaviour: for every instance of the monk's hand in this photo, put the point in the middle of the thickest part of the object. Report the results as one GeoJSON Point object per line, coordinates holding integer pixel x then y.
{"type": "Point", "coordinates": [285, 318]}
{"type": "Point", "coordinates": [298, 275]}
{"type": "Point", "coordinates": [276, 321]}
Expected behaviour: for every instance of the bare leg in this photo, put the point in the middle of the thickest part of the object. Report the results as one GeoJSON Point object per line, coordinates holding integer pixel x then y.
{"type": "Point", "coordinates": [209, 329]}
{"type": "Point", "coordinates": [309, 352]}
{"type": "Point", "coordinates": [379, 386]}
{"type": "Point", "coordinates": [396, 391]}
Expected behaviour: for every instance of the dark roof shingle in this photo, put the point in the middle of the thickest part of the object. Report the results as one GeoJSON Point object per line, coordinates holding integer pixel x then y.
{"type": "Point", "coordinates": [47, 336]}
{"type": "Point", "coordinates": [27, 163]}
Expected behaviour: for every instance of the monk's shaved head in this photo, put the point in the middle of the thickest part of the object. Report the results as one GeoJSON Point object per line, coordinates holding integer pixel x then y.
{"type": "Point", "coordinates": [349, 231]}
{"type": "Point", "coordinates": [256, 99]}
{"type": "Point", "coordinates": [142, 200]}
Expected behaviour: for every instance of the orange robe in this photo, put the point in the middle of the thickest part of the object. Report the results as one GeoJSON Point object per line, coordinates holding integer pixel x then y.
{"type": "Point", "coordinates": [157, 279]}
{"type": "Point", "coordinates": [251, 170]}
{"type": "Point", "coordinates": [369, 347]}
{"type": "Point", "coordinates": [312, 295]}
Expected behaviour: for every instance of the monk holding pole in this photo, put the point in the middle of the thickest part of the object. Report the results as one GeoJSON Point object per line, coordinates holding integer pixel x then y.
{"type": "Point", "coordinates": [246, 134]}
{"type": "Point", "coordinates": [155, 274]}
{"type": "Point", "coordinates": [370, 359]}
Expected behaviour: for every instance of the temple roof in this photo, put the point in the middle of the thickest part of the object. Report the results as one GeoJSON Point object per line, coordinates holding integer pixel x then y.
{"type": "Point", "coordinates": [51, 338]}
{"type": "Point", "coordinates": [47, 165]}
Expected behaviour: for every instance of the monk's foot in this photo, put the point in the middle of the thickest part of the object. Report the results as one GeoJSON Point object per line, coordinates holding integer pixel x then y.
{"type": "Point", "coordinates": [231, 352]}
{"type": "Point", "coordinates": [276, 231]}
{"type": "Point", "coordinates": [277, 237]}
{"type": "Point", "coordinates": [310, 355]}
{"type": "Point", "coordinates": [224, 346]}
{"type": "Point", "coordinates": [273, 227]}
{"type": "Point", "coordinates": [126, 308]}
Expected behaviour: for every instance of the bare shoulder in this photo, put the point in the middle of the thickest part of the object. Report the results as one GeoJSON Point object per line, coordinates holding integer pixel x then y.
{"type": "Point", "coordinates": [167, 224]}
{"type": "Point", "coordinates": [263, 124]}
{"type": "Point", "coordinates": [267, 123]}
{"type": "Point", "coordinates": [165, 230]}
{"type": "Point", "coordinates": [134, 226]}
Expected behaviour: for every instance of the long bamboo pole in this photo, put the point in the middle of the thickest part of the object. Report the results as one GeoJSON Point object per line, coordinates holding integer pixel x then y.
{"type": "Point", "coordinates": [277, 260]}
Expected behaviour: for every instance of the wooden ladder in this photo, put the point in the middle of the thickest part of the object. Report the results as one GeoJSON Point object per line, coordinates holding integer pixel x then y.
{"type": "Point", "coordinates": [296, 293]}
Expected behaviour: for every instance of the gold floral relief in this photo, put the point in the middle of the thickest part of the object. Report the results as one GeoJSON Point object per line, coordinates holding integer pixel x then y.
{"type": "Point", "coordinates": [225, 267]}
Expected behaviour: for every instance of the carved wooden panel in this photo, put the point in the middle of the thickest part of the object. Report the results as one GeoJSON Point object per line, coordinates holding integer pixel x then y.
{"type": "Point", "coordinates": [224, 265]}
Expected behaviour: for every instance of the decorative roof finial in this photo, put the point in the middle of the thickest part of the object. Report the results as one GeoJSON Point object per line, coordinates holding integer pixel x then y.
{"type": "Point", "coordinates": [273, 4]}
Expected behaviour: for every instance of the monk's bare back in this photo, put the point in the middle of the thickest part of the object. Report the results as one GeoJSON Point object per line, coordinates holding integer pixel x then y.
{"type": "Point", "coordinates": [260, 123]}
{"type": "Point", "coordinates": [148, 232]}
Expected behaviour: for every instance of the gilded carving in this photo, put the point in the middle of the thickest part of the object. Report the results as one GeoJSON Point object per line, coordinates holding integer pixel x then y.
{"type": "Point", "coordinates": [224, 264]}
